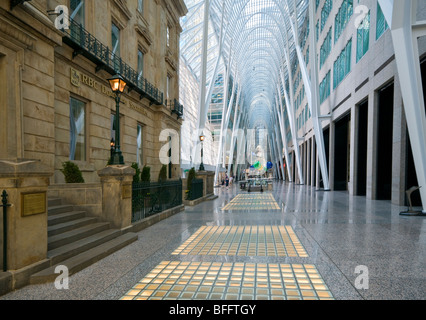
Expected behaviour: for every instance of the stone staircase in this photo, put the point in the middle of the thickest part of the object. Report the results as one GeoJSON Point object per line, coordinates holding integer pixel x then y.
{"type": "Point", "coordinates": [77, 241]}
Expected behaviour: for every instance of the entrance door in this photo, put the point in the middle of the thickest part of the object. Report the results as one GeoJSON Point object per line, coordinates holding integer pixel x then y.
{"type": "Point", "coordinates": [361, 173]}
{"type": "Point", "coordinates": [341, 154]}
{"type": "Point", "coordinates": [327, 153]}
{"type": "Point", "coordinates": [411, 175]}
{"type": "Point", "coordinates": [384, 143]}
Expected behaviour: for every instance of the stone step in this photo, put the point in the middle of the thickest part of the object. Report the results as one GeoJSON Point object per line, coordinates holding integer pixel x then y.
{"type": "Point", "coordinates": [77, 247]}
{"type": "Point", "coordinates": [63, 208]}
{"type": "Point", "coordinates": [85, 259]}
{"type": "Point", "coordinates": [212, 197]}
{"type": "Point", "coordinates": [53, 202]}
{"type": "Point", "coordinates": [68, 226]}
{"type": "Point", "coordinates": [65, 217]}
{"type": "Point", "coordinates": [76, 234]}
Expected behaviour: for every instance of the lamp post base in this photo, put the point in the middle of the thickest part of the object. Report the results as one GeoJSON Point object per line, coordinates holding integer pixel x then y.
{"type": "Point", "coordinates": [117, 158]}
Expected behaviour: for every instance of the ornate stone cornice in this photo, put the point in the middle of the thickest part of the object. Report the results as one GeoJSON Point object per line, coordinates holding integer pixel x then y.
{"type": "Point", "coordinates": [170, 60]}
{"type": "Point", "coordinates": [123, 7]}
{"type": "Point", "coordinates": [16, 33]}
{"type": "Point", "coordinates": [144, 32]}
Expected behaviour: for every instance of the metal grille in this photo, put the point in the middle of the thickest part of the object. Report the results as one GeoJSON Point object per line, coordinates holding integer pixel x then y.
{"type": "Point", "coordinates": [152, 198]}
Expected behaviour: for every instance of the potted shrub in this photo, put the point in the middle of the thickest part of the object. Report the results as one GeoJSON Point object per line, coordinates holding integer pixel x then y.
{"type": "Point", "coordinates": [146, 174]}
{"type": "Point", "coordinates": [72, 173]}
{"type": "Point", "coordinates": [163, 174]}
{"type": "Point", "coordinates": [137, 176]}
{"type": "Point", "coordinates": [191, 176]}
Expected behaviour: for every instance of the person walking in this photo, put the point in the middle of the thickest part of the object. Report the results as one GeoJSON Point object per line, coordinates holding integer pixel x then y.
{"type": "Point", "coordinates": [227, 182]}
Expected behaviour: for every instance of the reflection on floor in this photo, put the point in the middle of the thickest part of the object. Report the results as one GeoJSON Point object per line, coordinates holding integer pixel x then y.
{"type": "Point", "coordinates": [238, 280]}
{"type": "Point", "coordinates": [243, 241]}
{"type": "Point", "coordinates": [252, 201]}
{"type": "Point", "coordinates": [176, 280]}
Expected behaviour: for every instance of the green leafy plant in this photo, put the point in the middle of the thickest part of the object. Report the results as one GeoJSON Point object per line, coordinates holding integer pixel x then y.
{"type": "Point", "coordinates": [191, 176]}
{"type": "Point", "coordinates": [163, 174]}
{"type": "Point", "coordinates": [146, 174]}
{"type": "Point", "coordinates": [137, 176]}
{"type": "Point", "coordinates": [72, 173]}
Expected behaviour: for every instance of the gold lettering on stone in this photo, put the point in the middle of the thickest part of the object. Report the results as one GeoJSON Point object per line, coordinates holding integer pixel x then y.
{"type": "Point", "coordinates": [75, 78]}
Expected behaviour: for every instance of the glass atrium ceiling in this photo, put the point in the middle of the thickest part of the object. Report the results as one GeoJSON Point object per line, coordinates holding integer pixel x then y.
{"type": "Point", "coordinates": [255, 41]}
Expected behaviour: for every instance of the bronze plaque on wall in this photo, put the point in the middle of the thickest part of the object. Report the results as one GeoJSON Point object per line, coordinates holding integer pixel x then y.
{"type": "Point", "coordinates": [33, 204]}
{"type": "Point", "coordinates": [126, 192]}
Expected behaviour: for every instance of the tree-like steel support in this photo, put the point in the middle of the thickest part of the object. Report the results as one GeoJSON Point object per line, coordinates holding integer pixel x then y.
{"type": "Point", "coordinates": [401, 17]}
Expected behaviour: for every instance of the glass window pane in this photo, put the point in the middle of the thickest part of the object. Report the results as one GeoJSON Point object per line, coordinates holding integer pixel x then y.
{"type": "Point", "coordinates": [115, 37]}
{"type": "Point", "coordinates": [140, 65]}
{"type": "Point", "coordinates": [139, 143]}
{"type": "Point", "coordinates": [77, 11]}
{"type": "Point", "coordinates": [77, 130]}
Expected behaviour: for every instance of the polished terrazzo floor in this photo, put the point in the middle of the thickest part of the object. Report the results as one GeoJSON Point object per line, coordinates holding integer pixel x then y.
{"type": "Point", "coordinates": [308, 248]}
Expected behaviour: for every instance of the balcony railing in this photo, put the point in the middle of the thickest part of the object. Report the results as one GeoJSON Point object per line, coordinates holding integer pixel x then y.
{"type": "Point", "coordinates": [175, 107]}
{"type": "Point", "coordinates": [87, 45]}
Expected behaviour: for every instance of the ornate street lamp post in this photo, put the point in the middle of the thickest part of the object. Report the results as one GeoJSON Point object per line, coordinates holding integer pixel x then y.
{"type": "Point", "coordinates": [202, 138]}
{"type": "Point", "coordinates": [117, 84]}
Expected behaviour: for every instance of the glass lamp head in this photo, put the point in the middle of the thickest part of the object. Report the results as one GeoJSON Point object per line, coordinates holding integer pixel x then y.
{"type": "Point", "coordinates": [117, 84]}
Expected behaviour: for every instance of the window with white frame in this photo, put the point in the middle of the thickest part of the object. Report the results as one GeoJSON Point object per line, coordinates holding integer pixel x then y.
{"type": "Point", "coordinates": [77, 130]}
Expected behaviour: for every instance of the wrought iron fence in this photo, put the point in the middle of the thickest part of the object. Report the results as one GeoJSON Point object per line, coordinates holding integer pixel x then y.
{"type": "Point", "coordinates": [151, 198]}
{"type": "Point", "coordinates": [86, 44]}
{"type": "Point", "coordinates": [196, 191]}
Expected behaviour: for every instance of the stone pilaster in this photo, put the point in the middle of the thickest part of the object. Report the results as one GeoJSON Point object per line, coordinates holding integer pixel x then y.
{"type": "Point", "coordinates": [117, 195]}
{"type": "Point", "coordinates": [26, 183]}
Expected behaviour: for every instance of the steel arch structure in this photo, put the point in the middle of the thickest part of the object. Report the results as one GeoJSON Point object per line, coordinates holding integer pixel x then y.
{"type": "Point", "coordinates": [256, 43]}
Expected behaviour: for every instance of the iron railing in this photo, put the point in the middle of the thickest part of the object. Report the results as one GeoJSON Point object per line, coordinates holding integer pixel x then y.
{"type": "Point", "coordinates": [87, 45]}
{"type": "Point", "coordinates": [175, 107]}
{"type": "Point", "coordinates": [150, 198]}
{"type": "Point", "coordinates": [196, 190]}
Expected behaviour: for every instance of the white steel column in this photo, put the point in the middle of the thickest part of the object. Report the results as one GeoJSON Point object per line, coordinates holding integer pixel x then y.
{"type": "Point", "coordinates": [202, 114]}
{"type": "Point", "coordinates": [401, 17]}
{"type": "Point", "coordinates": [234, 128]}
{"type": "Point", "coordinates": [224, 111]}
{"type": "Point", "coordinates": [291, 117]}
{"type": "Point", "coordinates": [283, 130]}
{"type": "Point", "coordinates": [280, 154]}
{"type": "Point", "coordinates": [225, 129]}
{"type": "Point", "coordinates": [312, 89]}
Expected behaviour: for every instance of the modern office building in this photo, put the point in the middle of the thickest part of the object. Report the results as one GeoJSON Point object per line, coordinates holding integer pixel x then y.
{"type": "Point", "coordinates": [327, 96]}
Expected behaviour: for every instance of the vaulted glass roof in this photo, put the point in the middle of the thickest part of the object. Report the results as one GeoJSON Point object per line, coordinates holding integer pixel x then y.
{"type": "Point", "coordinates": [258, 43]}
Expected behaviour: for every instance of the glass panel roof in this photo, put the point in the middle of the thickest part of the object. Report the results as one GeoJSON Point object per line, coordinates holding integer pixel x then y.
{"type": "Point", "coordinates": [258, 42]}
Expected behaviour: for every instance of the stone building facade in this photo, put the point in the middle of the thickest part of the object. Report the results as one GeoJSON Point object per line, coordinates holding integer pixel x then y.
{"type": "Point", "coordinates": [56, 105]}
{"type": "Point", "coordinates": [57, 99]}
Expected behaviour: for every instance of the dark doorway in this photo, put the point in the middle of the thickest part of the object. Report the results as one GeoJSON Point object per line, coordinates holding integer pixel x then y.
{"type": "Point", "coordinates": [361, 174]}
{"type": "Point", "coordinates": [327, 152]}
{"type": "Point", "coordinates": [314, 163]}
{"type": "Point", "coordinates": [384, 142]}
{"type": "Point", "coordinates": [341, 150]}
{"type": "Point", "coordinates": [411, 175]}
